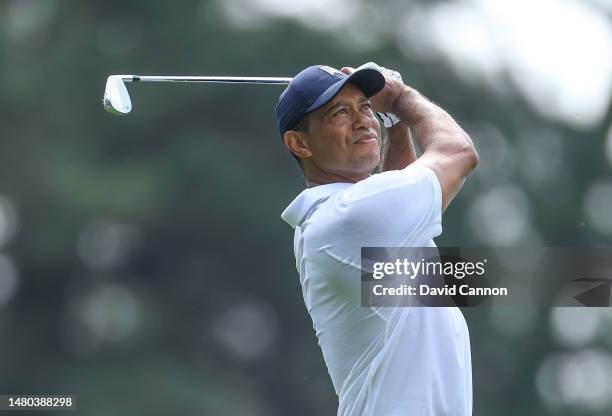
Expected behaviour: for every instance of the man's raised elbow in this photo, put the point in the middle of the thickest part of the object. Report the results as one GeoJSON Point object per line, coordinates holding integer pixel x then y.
{"type": "Point", "coordinates": [466, 152]}
{"type": "Point", "coordinates": [472, 157]}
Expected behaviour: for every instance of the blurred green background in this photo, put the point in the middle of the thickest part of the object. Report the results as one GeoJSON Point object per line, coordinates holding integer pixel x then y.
{"type": "Point", "coordinates": [144, 266]}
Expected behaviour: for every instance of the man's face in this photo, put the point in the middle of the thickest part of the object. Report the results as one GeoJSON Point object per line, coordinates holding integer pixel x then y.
{"type": "Point", "coordinates": [344, 135]}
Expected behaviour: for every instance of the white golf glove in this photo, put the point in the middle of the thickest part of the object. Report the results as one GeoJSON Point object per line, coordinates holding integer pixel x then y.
{"type": "Point", "coordinates": [388, 119]}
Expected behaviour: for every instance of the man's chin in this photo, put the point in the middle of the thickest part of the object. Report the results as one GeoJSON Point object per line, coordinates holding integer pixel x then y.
{"type": "Point", "coordinates": [367, 166]}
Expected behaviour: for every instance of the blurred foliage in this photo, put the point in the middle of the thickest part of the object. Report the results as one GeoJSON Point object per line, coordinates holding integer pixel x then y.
{"type": "Point", "coordinates": [141, 239]}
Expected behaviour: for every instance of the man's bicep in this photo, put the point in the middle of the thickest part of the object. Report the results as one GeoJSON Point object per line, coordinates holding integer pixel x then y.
{"type": "Point", "coordinates": [451, 171]}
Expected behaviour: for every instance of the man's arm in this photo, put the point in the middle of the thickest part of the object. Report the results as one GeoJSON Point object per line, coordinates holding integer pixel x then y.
{"type": "Point", "coordinates": [447, 148]}
{"type": "Point", "coordinates": [398, 150]}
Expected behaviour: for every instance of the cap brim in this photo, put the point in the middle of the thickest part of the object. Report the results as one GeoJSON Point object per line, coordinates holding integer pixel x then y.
{"type": "Point", "coordinates": [368, 80]}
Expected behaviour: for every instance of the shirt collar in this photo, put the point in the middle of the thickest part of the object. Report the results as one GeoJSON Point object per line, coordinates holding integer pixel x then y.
{"type": "Point", "coordinates": [302, 205]}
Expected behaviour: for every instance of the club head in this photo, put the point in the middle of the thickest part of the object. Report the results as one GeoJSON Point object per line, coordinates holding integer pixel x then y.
{"type": "Point", "coordinates": [116, 98]}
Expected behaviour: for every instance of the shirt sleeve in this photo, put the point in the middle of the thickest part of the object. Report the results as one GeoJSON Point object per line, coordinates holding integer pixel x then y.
{"type": "Point", "coordinates": [393, 208]}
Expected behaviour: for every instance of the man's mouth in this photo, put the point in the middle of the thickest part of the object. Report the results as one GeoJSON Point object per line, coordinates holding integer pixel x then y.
{"type": "Point", "coordinates": [366, 138]}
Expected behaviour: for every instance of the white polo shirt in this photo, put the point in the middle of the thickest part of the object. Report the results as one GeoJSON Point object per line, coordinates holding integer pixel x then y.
{"type": "Point", "coordinates": [398, 361]}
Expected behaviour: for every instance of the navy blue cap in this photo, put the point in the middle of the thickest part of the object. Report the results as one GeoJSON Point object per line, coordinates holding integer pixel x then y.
{"type": "Point", "coordinates": [315, 86]}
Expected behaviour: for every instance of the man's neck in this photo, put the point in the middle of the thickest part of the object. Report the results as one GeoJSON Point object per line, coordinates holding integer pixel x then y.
{"type": "Point", "coordinates": [316, 177]}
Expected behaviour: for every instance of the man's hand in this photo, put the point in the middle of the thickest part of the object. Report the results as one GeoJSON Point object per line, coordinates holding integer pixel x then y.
{"type": "Point", "coordinates": [383, 101]}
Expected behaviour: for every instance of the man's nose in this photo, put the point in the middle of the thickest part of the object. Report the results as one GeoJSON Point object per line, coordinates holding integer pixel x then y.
{"type": "Point", "coordinates": [360, 120]}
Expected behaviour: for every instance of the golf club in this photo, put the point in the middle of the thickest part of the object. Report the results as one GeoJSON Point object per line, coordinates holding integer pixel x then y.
{"type": "Point", "coordinates": [117, 100]}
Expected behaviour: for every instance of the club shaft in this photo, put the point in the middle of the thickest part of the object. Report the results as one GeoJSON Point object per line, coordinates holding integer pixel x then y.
{"type": "Point", "coordinates": [230, 80]}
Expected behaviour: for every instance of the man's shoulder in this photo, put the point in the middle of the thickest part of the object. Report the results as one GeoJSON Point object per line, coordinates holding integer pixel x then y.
{"type": "Point", "coordinates": [309, 200]}
{"type": "Point", "coordinates": [412, 176]}
{"type": "Point", "coordinates": [383, 197]}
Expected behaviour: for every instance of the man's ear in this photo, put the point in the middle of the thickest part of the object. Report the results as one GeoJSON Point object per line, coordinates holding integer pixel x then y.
{"type": "Point", "coordinates": [297, 144]}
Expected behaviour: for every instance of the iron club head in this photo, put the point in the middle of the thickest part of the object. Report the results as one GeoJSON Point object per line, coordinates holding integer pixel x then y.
{"type": "Point", "coordinates": [117, 100]}
{"type": "Point", "coordinates": [116, 97]}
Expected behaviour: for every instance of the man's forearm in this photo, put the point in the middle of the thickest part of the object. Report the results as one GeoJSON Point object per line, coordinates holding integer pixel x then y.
{"type": "Point", "coordinates": [434, 129]}
{"type": "Point", "coordinates": [398, 149]}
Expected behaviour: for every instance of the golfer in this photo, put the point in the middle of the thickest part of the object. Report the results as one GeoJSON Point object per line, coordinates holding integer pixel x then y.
{"type": "Point", "coordinates": [399, 361]}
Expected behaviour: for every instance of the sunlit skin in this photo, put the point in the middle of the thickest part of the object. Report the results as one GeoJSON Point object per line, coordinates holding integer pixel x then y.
{"type": "Point", "coordinates": [342, 143]}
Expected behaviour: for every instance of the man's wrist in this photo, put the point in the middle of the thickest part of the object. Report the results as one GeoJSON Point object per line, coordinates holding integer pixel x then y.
{"type": "Point", "coordinates": [410, 105]}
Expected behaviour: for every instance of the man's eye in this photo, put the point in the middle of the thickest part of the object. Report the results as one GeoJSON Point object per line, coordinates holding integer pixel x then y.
{"type": "Point", "coordinates": [340, 112]}
{"type": "Point", "coordinates": [367, 106]}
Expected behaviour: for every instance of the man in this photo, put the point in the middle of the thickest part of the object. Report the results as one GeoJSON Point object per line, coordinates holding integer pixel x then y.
{"type": "Point", "coordinates": [382, 361]}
